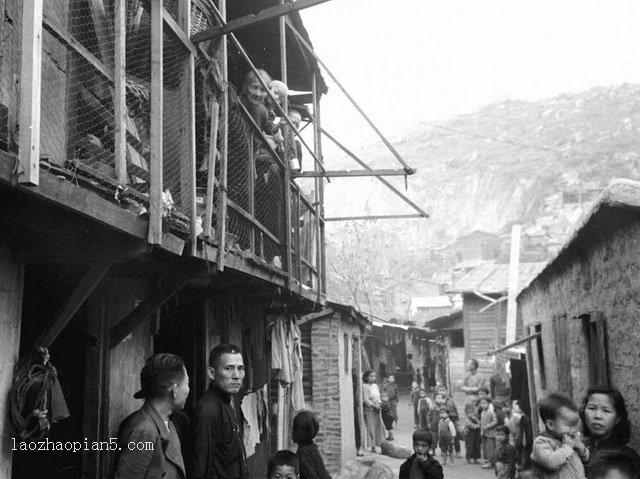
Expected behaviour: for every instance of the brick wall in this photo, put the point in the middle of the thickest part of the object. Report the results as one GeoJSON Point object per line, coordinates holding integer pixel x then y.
{"type": "Point", "coordinates": [333, 389]}
{"type": "Point", "coordinates": [604, 277]}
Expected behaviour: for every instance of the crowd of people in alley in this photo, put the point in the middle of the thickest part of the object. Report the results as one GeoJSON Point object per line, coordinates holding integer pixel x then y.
{"type": "Point", "coordinates": [586, 441]}
{"type": "Point", "coordinates": [575, 441]}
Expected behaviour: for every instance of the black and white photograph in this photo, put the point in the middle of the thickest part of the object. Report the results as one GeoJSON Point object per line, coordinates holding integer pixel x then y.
{"type": "Point", "coordinates": [319, 239]}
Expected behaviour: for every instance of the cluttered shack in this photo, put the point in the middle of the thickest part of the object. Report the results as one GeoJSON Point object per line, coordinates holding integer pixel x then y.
{"type": "Point", "coordinates": [142, 209]}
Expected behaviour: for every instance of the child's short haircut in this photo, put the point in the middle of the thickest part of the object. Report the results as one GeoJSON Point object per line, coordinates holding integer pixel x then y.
{"type": "Point", "coordinates": [606, 460]}
{"type": "Point", "coordinates": [305, 427]}
{"type": "Point", "coordinates": [423, 435]}
{"type": "Point", "coordinates": [502, 429]}
{"type": "Point", "coordinates": [551, 405]}
{"type": "Point", "coordinates": [282, 458]}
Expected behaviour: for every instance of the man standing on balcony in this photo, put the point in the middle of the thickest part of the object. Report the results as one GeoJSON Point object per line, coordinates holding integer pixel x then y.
{"type": "Point", "coordinates": [218, 450]}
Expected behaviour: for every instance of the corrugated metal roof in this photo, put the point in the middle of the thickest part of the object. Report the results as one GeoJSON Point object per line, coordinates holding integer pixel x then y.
{"type": "Point", "coordinates": [430, 302]}
{"type": "Point", "coordinates": [494, 278]}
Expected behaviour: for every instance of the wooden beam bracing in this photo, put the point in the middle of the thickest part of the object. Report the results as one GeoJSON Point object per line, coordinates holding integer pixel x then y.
{"type": "Point", "coordinates": [370, 217]}
{"type": "Point", "coordinates": [248, 20]}
{"type": "Point", "coordinates": [127, 324]}
{"type": "Point", "coordinates": [179, 32]}
{"type": "Point", "coordinates": [349, 97]}
{"type": "Point", "coordinates": [379, 178]}
{"type": "Point", "coordinates": [351, 173]}
{"type": "Point", "coordinates": [85, 287]}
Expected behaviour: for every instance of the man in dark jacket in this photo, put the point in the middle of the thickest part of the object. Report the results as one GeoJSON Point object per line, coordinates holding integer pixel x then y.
{"type": "Point", "coordinates": [149, 444]}
{"type": "Point", "coordinates": [218, 451]}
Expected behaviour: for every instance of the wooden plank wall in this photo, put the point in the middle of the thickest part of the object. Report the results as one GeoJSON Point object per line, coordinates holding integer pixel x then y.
{"type": "Point", "coordinates": [307, 380]}
{"type": "Point", "coordinates": [483, 331]}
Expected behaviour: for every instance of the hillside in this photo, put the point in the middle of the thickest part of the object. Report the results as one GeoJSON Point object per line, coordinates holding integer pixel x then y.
{"type": "Point", "coordinates": [537, 163]}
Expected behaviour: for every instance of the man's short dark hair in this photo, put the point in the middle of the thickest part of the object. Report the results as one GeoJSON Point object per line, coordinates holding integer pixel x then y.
{"type": "Point", "coordinates": [305, 427]}
{"type": "Point", "coordinates": [282, 458]}
{"type": "Point", "coordinates": [475, 363]}
{"type": "Point", "coordinates": [217, 352]}
{"type": "Point", "coordinates": [621, 459]}
{"type": "Point", "coordinates": [551, 405]}
{"type": "Point", "coordinates": [423, 435]}
{"type": "Point", "coordinates": [159, 373]}
{"type": "Point", "coordinates": [503, 430]}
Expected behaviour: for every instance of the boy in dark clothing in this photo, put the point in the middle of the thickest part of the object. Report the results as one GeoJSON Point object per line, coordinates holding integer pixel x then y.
{"type": "Point", "coordinates": [504, 457]}
{"type": "Point", "coordinates": [421, 465]}
{"type": "Point", "coordinates": [387, 415]}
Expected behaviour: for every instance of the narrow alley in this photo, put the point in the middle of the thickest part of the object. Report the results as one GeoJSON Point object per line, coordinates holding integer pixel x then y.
{"type": "Point", "coordinates": [403, 433]}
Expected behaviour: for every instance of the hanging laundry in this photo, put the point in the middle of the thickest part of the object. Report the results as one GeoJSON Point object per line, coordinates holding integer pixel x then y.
{"type": "Point", "coordinates": [286, 356]}
{"type": "Point", "coordinates": [251, 424]}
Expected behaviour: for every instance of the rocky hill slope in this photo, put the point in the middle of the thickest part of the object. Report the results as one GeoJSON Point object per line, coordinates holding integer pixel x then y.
{"type": "Point", "coordinates": [537, 163]}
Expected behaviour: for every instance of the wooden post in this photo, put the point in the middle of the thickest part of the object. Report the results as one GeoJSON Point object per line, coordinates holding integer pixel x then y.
{"type": "Point", "coordinates": [319, 199]}
{"type": "Point", "coordinates": [514, 269]}
{"type": "Point", "coordinates": [296, 226]}
{"type": "Point", "coordinates": [286, 237]}
{"type": "Point", "coordinates": [211, 168]}
{"type": "Point", "coordinates": [96, 385]}
{"type": "Point", "coordinates": [531, 380]}
{"type": "Point", "coordinates": [11, 288]}
{"type": "Point", "coordinates": [155, 133]}
{"type": "Point", "coordinates": [221, 217]}
{"type": "Point", "coordinates": [251, 165]}
{"type": "Point", "coordinates": [188, 147]}
{"type": "Point", "coordinates": [30, 90]}
{"type": "Point", "coordinates": [120, 91]}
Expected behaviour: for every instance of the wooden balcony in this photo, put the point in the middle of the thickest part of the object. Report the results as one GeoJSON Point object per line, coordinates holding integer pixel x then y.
{"type": "Point", "coordinates": [124, 120]}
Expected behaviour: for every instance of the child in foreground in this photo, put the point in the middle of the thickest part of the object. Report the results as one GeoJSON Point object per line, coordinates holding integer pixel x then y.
{"type": "Point", "coordinates": [558, 452]}
{"type": "Point", "coordinates": [421, 464]}
{"type": "Point", "coordinates": [282, 465]}
{"type": "Point", "coordinates": [504, 458]}
{"type": "Point", "coordinates": [305, 428]}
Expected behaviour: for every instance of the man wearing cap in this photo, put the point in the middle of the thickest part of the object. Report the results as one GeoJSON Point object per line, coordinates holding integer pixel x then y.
{"type": "Point", "coordinates": [165, 388]}
{"type": "Point", "coordinates": [218, 451]}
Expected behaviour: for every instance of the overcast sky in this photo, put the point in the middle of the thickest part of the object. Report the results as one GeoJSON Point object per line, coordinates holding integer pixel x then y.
{"type": "Point", "coordinates": [407, 61]}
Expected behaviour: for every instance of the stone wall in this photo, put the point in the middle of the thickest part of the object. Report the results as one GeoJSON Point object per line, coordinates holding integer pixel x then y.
{"type": "Point", "coordinates": [599, 273]}
{"type": "Point", "coordinates": [333, 392]}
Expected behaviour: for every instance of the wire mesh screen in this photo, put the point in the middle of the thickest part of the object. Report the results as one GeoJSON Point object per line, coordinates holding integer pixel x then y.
{"type": "Point", "coordinates": [177, 139]}
{"type": "Point", "coordinates": [308, 225]}
{"type": "Point", "coordinates": [78, 108]}
{"type": "Point", "coordinates": [77, 122]}
{"type": "Point", "coordinates": [255, 190]}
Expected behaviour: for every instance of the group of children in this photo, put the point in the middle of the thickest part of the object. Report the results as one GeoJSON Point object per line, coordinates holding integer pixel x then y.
{"type": "Point", "coordinates": [558, 452]}
{"type": "Point", "coordinates": [306, 462]}
{"type": "Point", "coordinates": [438, 416]}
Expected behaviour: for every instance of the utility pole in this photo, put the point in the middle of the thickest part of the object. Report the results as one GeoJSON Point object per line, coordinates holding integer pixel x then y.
{"type": "Point", "coordinates": [514, 270]}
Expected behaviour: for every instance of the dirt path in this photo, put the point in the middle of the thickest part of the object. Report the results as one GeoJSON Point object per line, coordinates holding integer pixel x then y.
{"type": "Point", "coordinates": [403, 434]}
